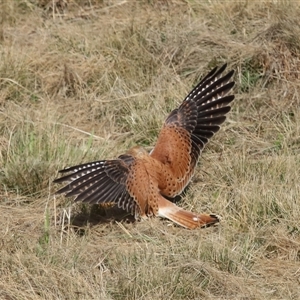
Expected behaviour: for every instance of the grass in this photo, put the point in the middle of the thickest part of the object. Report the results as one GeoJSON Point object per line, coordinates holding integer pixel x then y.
{"type": "Point", "coordinates": [81, 81]}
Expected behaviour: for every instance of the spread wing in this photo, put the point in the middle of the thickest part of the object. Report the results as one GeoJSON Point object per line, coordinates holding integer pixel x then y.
{"type": "Point", "coordinates": [100, 182]}
{"type": "Point", "coordinates": [188, 129]}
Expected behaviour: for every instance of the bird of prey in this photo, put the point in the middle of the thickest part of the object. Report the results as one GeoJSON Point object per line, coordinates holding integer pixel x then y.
{"type": "Point", "coordinates": [140, 182]}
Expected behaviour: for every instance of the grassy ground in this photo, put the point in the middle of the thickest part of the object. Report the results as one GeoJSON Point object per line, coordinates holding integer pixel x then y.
{"type": "Point", "coordinates": [86, 80]}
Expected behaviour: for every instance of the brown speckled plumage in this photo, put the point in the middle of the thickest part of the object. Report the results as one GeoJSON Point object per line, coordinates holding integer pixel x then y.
{"type": "Point", "coordinates": [138, 181]}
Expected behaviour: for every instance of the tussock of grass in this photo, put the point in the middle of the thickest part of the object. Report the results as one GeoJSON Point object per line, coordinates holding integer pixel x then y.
{"type": "Point", "coordinates": [82, 81]}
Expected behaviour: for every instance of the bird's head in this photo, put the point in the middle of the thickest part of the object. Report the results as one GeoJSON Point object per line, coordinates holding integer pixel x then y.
{"type": "Point", "coordinates": [137, 151]}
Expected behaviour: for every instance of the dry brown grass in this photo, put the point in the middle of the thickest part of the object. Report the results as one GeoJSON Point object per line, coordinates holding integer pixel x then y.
{"type": "Point", "coordinates": [84, 80]}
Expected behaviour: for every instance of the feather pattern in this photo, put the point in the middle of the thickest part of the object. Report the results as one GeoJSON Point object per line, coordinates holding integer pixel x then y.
{"type": "Point", "coordinates": [99, 182]}
{"type": "Point", "coordinates": [199, 117]}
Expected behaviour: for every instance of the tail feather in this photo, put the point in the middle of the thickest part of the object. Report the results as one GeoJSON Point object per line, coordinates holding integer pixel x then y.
{"type": "Point", "coordinates": [187, 219]}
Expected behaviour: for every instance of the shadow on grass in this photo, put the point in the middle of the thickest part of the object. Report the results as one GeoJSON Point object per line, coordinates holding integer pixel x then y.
{"type": "Point", "coordinates": [93, 215]}
{"type": "Point", "coordinates": [96, 214]}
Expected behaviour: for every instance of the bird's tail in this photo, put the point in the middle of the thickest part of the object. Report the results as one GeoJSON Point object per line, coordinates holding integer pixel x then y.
{"type": "Point", "coordinates": [187, 219]}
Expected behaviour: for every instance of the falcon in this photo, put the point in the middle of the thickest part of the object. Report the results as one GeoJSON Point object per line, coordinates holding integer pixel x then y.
{"type": "Point", "coordinates": [140, 182]}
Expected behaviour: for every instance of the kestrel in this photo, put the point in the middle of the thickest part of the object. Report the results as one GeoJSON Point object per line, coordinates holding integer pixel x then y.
{"type": "Point", "coordinates": [139, 182]}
